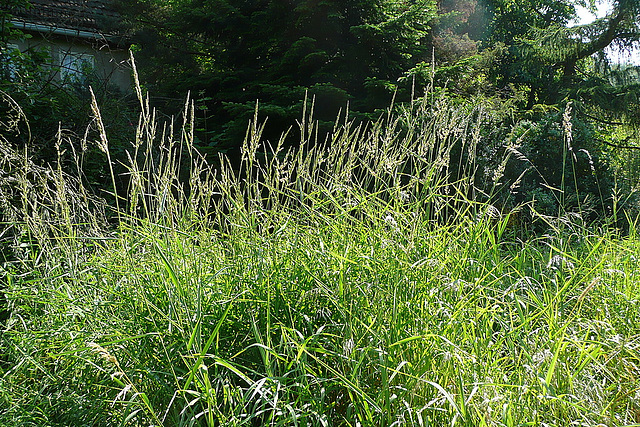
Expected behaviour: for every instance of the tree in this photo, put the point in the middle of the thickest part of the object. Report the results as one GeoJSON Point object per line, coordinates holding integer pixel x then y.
{"type": "Point", "coordinates": [553, 59]}
{"type": "Point", "coordinates": [549, 63]}
{"type": "Point", "coordinates": [232, 53]}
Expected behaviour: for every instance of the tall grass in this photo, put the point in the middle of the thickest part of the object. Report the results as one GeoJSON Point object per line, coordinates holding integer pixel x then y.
{"type": "Point", "coordinates": [350, 280]}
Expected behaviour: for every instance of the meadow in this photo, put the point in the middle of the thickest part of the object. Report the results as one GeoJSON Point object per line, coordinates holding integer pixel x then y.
{"type": "Point", "coordinates": [346, 281]}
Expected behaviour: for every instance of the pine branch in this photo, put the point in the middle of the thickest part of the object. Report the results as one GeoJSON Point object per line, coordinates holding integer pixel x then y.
{"type": "Point", "coordinates": [622, 147]}
{"type": "Point", "coordinates": [609, 35]}
{"type": "Point", "coordinates": [603, 121]}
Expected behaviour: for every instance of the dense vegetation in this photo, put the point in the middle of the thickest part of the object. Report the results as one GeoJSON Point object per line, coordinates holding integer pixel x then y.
{"type": "Point", "coordinates": [346, 283]}
{"type": "Point", "coordinates": [525, 61]}
{"type": "Point", "coordinates": [466, 254]}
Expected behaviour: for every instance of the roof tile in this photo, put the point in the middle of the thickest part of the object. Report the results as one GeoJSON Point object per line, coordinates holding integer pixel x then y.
{"type": "Point", "coordinates": [83, 15]}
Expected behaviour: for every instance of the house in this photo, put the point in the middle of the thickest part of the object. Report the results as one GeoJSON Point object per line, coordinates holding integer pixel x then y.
{"type": "Point", "coordinates": [77, 37]}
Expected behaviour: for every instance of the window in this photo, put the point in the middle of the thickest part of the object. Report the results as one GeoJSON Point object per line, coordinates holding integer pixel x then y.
{"type": "Point", "coordinates": [8, 66]}
{"type": "Point", "coordinates": [74, 66]}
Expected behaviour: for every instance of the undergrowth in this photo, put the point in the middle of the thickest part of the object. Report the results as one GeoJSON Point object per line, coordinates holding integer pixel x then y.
{"type": "Point", "coordinates": [351, 281]}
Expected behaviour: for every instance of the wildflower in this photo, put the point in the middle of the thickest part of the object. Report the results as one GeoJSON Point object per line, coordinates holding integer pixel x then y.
{"type": "Point", "coordinates": [390, 220]}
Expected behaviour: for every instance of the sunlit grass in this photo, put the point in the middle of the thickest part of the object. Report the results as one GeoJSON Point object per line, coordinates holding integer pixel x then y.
{"type": "Point", "coordinates": [349, 282]}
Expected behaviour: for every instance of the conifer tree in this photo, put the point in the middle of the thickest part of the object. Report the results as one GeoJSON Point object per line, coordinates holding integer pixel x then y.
{"type": "Point", "coordinates": [233, 53]}
{"type": "Point", "coordinates": [557, 61]}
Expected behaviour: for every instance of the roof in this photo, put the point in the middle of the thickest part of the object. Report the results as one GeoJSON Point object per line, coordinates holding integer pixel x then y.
{"type": "Point", "coordinates": [79, 18]}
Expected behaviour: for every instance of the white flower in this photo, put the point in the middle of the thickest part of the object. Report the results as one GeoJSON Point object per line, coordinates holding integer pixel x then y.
{"type": "Point", "coordinates": [390, 220]}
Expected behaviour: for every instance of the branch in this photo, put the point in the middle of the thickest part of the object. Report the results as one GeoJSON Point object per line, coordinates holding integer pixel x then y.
{"type": "Point", "coordinates": [611, 33]}
{"type": "Point", "coordinates": [622, 147]}
{"type": "Point", "coordinates": [610, 144]}
{"type": "Point", "coordinates": [603, 121]}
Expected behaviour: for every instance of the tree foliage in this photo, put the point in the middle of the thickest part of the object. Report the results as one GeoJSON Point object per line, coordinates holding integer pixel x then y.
{"type": "Point", "coordinates": [235, 52]}
{"type": "Point", "coordinates": [555, 60]}
{"type": "Point", "coordinates": [526, 57]}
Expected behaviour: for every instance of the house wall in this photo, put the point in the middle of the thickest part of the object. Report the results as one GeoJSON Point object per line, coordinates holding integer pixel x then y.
{"type": "Point", "coordinates": [73, 59]}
